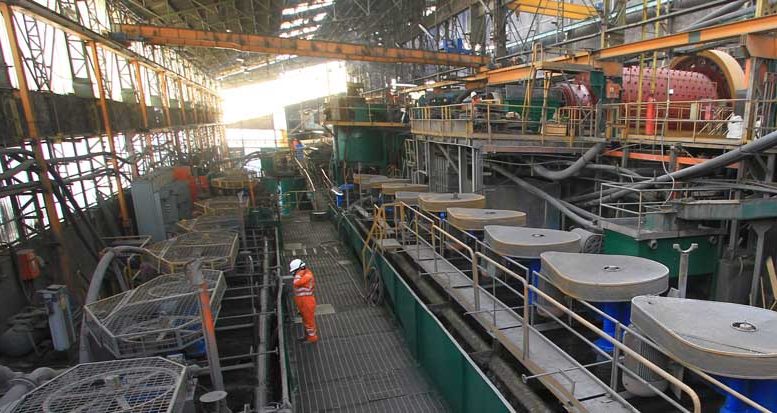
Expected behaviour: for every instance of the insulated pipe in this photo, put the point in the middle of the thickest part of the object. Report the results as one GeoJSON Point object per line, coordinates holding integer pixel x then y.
{"type": "Point", "coordinates": [200, 287]}
{"type": "Point", "coordinates": [753, 148]}
{"type": "Point", "coordinates": [93, 293]}
{"type": "Point", "coordinates": [23, 384]}
{"type": "Point", "coordinates": [260, 399]}
{"type": "Point", "coordinates": [558, 204]}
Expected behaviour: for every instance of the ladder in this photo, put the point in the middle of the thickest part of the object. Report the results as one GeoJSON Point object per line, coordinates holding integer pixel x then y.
{"type": "Point", "coordinates": [379, 238]}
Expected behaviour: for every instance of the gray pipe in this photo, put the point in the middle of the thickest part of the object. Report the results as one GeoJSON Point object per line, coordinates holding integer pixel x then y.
{"type": "Point", "coordinates": [264, 332]}
{"type": "Point", "coordinates": [93, 293]}
{"type": "Point", "coordinates": [723, 18]}
{"type": "Point", "coordinates": [719, 12]}
{"type": "Point", "coordinates": [576, 167]}
{"type": "Point", "coordinates": [23, 384]}
{"type": "Point", "coordinates": [594, 26]}
{"type": "Point", "coordinates": [558, 204]}
{"type": "Point", "coordinates": [736, 155]}
{"type": "Point", "coordinates": [614, 169]}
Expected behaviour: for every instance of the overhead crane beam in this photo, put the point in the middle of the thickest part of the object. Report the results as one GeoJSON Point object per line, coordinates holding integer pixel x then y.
{"type": "Point", "coordinates": [599, 58]}
{"type": "Point", "coordinates": [554, 8]}
{"type": "Point", "coordinates": [173, 36]}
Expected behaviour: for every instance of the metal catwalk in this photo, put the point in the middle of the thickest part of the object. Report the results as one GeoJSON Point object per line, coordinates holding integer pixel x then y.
{"type": "Point", "coordinates": [361, 363]}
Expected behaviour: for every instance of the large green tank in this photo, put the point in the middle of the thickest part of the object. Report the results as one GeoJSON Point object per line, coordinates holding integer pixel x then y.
{"type": "Point", "coordinates": [288, 202]}
{"type": "Point", "coordinates": [702, 262]}
{"type": "Point", "coordinates": [368, 147]}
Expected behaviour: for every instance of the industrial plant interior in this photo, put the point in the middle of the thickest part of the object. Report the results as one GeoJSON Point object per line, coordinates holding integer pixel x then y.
{"type": "Point", "coordinates": [388, 206]}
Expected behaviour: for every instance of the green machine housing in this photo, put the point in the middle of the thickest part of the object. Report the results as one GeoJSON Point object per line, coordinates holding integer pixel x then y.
{"type": "Point", "coordinates": [654, 239]}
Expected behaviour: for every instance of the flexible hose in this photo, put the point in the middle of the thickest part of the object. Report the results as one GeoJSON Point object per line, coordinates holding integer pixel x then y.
{"type": "Point", "coordinates": [558, 204]}
{"type": "Point", "coordinates": [574, 169]}
{"type": "Point", "coordinates": [23, 384]}
{"type": "Point", "coordinates": [753, 148]}
{"type": "Point", "coordinates": [95, 285]}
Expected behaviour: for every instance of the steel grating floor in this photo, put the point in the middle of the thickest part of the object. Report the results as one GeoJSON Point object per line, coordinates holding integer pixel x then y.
{"type": "Point", "coordinates": [361, 363]}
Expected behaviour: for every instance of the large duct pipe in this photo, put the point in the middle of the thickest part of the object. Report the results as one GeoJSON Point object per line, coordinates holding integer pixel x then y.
{"type": "Point", "coordinates": [723, 18]}
{"type": "Point", "coordinates": [574, 169]}
{"type": "Point", "coordinates": [93, 293]}
{"type": "Point", "coordinates": [23, 384]}
{"type": "Point", "coordinates": [755, 147]}
{"type": "Point", "coordinates": [716, 13]}
{"type": "Point", "coordinates": [556, 203]}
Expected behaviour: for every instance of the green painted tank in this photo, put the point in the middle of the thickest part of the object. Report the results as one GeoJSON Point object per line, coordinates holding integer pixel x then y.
{"type": "Point", "coordinates": [369, 146]}
{"type": "Point", "coordinates": [287, 200]}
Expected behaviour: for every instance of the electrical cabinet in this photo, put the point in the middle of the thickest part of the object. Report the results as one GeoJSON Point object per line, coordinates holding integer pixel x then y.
{"type": "Point", "coordinates": [159, 203]}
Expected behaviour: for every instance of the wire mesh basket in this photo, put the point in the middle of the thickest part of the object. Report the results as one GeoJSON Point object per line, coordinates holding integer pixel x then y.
{"type": "Point", "coordinates": [235, 179]}
{"type": "Point", "coordinates": [160, 316]}
{"type": "Point", "coordinates": [211, 222]}
{"type": "Point", "coordinates": [218, 249]}
{"type": "Point", "coordinates": [147, 385]}
{"type": "Point", "coordinates": [223, 205]}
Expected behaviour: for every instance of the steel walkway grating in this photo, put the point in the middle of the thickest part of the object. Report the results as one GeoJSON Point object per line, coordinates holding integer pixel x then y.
{"type": "Point", "coordinates": [361, 363]}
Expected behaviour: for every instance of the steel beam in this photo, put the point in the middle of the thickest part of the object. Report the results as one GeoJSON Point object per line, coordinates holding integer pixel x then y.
{"type": "Point", "coordinates": [595, 58]}
{"type": "Point", "coordinates": [39, 11]}
{"type": "Point", "coordinates": [554, 8]}
{"type": "Point", "coordinates": [171, 36]}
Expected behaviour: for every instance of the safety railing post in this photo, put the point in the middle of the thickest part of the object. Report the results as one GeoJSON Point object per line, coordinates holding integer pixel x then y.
{"type": "Point", "coordinates": [488, 120]}
{"type": "Point", "coordinates": [434, 249]}
{"type": "Point", "coordinates": [616, 354]}
{"type": "Point", "coordinates": [475, 280]}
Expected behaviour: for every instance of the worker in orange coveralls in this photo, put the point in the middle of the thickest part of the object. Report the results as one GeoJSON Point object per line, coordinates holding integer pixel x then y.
{"type": "Point", "coordinates": [304, 284]}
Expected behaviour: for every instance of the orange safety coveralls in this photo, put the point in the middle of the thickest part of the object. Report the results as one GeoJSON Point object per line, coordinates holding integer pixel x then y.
{"type": "Point", "coordinates": [304, 283]}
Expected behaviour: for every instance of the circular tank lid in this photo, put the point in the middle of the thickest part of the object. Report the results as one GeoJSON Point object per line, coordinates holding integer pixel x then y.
{"type": "Point", "coordinates": [726, 339]}
{"type": "Point", "coordinates": [391, 188]}
{"type": "Point", "coordinates": [604, 278]}
{"type": "Point", "coordinates": [376, 183]}
{"type": "Point", "coordinates": [439, 202]}
{"type": "Point", "coordinates": [521, 242]}
{"type": "Point", "coordinates": [469, 219]}
{"type": "Point", "coordinates": [410, 198]}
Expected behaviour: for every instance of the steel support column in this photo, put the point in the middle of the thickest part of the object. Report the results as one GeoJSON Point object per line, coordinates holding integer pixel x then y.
{"type": "Point", "coordinates": [143, 109]}
{"type": "Point", "coordinates": [166, 109]}
{"type": "Point", "coordinates": [184, 116]}
{"type": "Point", "coordinates": [64, 274]}
{"type": "Point", "coordinates": [123, 210]}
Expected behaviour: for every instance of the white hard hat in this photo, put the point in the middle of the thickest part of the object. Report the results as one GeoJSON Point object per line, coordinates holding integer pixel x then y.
{"type": "Point", "coordinates": [296, 264]}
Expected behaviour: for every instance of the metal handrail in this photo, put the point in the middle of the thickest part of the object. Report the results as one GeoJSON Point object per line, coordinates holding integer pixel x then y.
{"type": "Point", "coordinates": [617, 344]}
{"type": "Point", "coordinates": [435, 231]}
